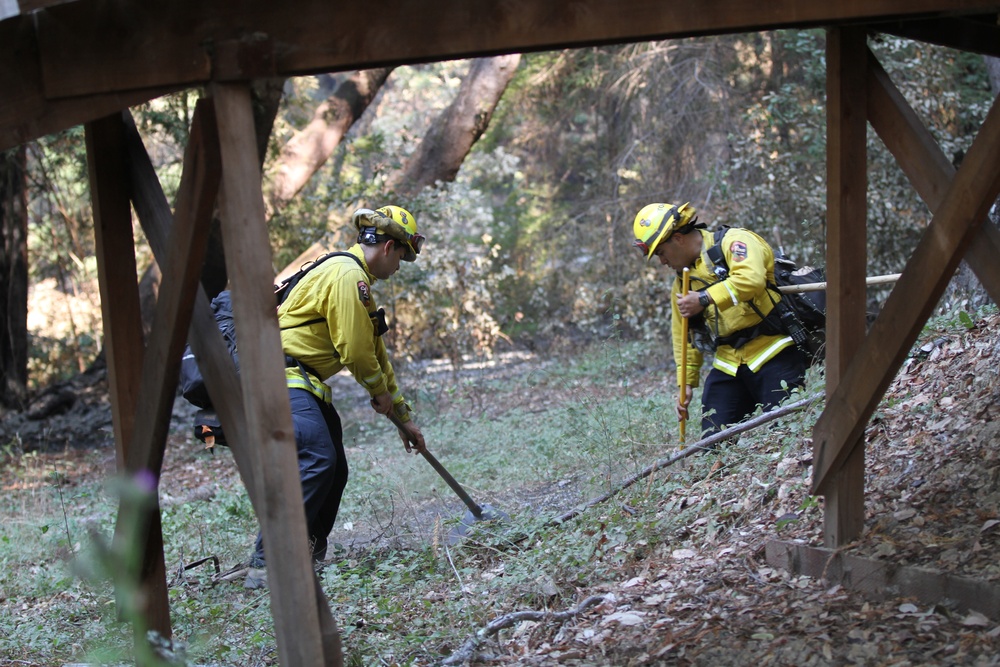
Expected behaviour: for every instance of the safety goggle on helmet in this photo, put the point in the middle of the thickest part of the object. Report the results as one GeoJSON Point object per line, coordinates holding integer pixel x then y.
{"type": "Point", "coordinates": [654, 223]}
{"type": "Point", "coordinates": [392, 221]}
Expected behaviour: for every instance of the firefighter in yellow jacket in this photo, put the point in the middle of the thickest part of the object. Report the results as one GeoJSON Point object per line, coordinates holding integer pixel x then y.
{"type": "Point", "coordinates": [329, 322]}
{"type": "Point", "coordinates": [730, 311]}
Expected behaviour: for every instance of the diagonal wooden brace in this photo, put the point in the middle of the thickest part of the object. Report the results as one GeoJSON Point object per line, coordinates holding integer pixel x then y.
{"type": "Point", "coordinates": [955, 225]}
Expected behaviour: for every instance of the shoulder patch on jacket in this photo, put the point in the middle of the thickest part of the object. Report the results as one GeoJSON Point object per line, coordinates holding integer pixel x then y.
{"type": "Point", "coordinates": [364, 293]}
{"type": "Point", "coordinates": [738, 249]}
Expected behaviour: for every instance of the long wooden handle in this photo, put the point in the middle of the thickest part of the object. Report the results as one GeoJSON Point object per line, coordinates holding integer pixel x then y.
{"type": "Point", "coordinates": [476, 510]}
{"type": "Point", "coordinates": [685, 287]}
{"type": "Point", "coordinates": [819, 287]}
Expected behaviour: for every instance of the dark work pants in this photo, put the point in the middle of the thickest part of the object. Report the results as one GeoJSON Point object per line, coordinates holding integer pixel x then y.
{"type": "Point", "coordinates": [319, 439]}
{"type": "Point", "coordinates": [734, 398]}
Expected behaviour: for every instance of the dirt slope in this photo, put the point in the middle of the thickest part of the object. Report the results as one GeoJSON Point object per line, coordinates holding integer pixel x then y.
{"type": "Point", "coordinates": [710, 598]}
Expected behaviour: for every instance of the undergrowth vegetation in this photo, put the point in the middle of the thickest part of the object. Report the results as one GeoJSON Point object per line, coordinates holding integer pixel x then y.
{"type": "Point", "coordinates": [533, 439]}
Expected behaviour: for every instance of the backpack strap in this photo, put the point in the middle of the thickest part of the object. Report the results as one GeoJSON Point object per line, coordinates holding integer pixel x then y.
{"type": "Point", "coordinates": [288, 284]}
{"type": "Point", "coordinates": [378, 317]}
{"type": "Point", "coordinates": [715, 254]}
{"type": "Point", "coordinates": [767, 324]}
{"type": "Point", "coordinates": [285, 287]}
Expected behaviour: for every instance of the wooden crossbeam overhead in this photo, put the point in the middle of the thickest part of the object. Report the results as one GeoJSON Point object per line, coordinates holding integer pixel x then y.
{"type": "Point", "coordinates": [978, 34]}
{"type": "Point", "coordinates": [89, 49]}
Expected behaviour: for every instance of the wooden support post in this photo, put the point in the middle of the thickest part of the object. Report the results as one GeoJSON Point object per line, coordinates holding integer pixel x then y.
{"type": "Point", "coordinates": [123, 342]}
{"type": "Point", "coordinates": [846, 257]}
{"type": "Point", "coordinates": [953, 228]}
{"type": "Point", "coordinates": [213, 356]}
{"type": "Point", "coordinates": [295, 605]}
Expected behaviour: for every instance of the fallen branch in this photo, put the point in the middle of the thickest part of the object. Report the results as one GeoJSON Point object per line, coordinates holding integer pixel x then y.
{"type": "Point", "coordinates": [467, 650]}
{"type": "Point", "coordinates": [694, 448]}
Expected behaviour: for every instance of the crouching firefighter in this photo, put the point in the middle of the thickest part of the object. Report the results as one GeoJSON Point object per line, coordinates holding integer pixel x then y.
{"type": "Point", "coordinates": [731, 312]}
{"type": "Point", "coordinates": [329, 321]}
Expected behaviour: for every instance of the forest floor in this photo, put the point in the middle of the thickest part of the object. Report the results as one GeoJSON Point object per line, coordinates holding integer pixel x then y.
{"type": "Point", "coordinates": [932, 498]}
{"type": "Point", "coordinates": [706, 595]}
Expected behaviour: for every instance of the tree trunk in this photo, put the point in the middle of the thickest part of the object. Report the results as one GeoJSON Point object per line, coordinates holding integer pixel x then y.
{"type": "Point", "coordinates": [266, 97]}
{"type": "Point", "coordinates": [311, 147]}
{"type": "Point", "coordinates": [14, 278]}
{"type": "Point", "coordinates": [456, 130]}
{"type": "Point", "coordinates": [449, 139]}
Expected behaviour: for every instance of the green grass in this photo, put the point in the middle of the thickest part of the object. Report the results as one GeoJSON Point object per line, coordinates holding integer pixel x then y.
{"type": "Point", "coordinates": [577, 426]}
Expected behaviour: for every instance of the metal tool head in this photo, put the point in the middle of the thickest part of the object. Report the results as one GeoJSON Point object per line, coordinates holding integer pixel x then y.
{"type": "Point", "coordinates": [488, 513]}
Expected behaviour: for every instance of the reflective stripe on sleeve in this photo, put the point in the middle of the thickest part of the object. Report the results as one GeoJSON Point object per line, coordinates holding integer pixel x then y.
{"type": "Point", "coordinates": [373, 380]}
{"type": "Point", "coordinates": [732, 294]}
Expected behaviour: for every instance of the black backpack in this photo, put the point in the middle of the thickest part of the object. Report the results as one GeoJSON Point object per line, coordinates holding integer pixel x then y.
{"type": "Point", "coordinates": [800, 315]}
{"type": "Point", "coordinates": [191, 384]}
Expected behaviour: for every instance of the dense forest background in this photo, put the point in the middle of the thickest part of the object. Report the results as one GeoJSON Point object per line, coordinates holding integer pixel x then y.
{"type": "Point", "coordinates": [529, 221]}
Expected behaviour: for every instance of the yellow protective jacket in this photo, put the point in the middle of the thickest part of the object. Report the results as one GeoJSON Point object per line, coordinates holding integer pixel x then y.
{"type": "Point", "coordinates": [327, 324]}
{"type": "Point", "coordinates": [751, 268]}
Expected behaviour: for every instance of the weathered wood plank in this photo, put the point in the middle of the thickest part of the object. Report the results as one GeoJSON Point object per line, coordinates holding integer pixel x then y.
{"type": "Point", "coordinates": [964, 34]}
{"type": "Point", "coordinates": [25, 113]}
{"type": "Point", "coordinates": [181, 271]}
{"type": "Point", "coordinates": [123, 341]}
{"type": "Point", "coordinates": [262, 377]}
{"type": "Point", "coordinates": [846, 255]}
{"type": "Point", "coordinates": [930, 267]}
{"type": "Point", "coordinates": [881, 580]}
{"type": "Point", "coordinates": [91, 47]}
{"type": "Point", "coordinates": [161, 361]}
{"type": "Point", "coordinates": [209, 348]}
{"type": "Point", "coordinates": [926, 165]}
{"type": "Point", "coordinates": [20, 124]}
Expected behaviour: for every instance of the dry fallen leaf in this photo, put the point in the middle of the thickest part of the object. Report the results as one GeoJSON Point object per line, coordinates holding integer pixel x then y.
{"type": "Point", "coordinates": [627, 618]}
{"type": "Point", "coordinates": [976, 619]}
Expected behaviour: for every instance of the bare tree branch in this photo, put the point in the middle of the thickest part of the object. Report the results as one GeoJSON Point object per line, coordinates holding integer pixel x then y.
{"type": "Point", "coordinates": [467, 650]}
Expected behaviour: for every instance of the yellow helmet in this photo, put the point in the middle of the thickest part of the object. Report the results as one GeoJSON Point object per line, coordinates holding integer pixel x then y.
{"type": "Point", "coordinates": [655, 223]}
{"type": "Point", "coordinates": [392, 221]}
